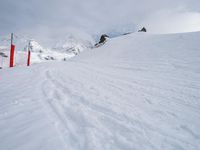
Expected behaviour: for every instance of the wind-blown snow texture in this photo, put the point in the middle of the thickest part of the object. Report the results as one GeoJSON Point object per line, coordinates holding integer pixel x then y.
{"type": "Point", "coordinates": [137, 92]}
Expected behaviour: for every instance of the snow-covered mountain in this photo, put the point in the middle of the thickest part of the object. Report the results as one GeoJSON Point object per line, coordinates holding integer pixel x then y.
{"type": "Point", "coordinates": [63, 49]}
{"type": "Point", "coordinates": [138, 91]}
{"type": "Point", "coordinates": [72, 44]}
{"type": "Point", "coordinates": [36, 47]}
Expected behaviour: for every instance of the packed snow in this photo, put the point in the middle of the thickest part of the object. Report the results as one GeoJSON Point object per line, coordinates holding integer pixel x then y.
{"type": "Point", "coordinates": [137, 92]}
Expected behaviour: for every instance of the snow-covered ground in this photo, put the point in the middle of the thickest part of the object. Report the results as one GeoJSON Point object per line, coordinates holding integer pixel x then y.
{"type": "Point", "coordinates": [137, 92]}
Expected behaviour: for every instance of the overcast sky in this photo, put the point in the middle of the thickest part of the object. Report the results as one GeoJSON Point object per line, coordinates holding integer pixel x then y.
{"type": "Point", "coordinates": [54, 18]}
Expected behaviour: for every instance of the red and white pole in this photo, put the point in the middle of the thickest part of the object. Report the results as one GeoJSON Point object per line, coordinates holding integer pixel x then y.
{"type": "Point", "coordinates": [29, 55]}
{"type": "Point", "coordinates": [12, 52]}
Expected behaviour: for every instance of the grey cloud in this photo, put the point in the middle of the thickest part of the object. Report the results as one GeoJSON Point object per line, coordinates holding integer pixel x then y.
{"type": "Point", "coordinates": [51, 18]}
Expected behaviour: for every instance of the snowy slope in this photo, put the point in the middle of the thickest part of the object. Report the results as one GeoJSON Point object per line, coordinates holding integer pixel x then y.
{"type": "Point", "coordinates": [138, 91]}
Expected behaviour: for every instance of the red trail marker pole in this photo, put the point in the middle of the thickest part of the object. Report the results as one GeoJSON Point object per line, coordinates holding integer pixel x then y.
{"type": "Point", "coordinates": [12, 52]}
{"type": "Point", "coordinates": [29, 58]}
{"type": "Point", "coordinates": [29, 55]}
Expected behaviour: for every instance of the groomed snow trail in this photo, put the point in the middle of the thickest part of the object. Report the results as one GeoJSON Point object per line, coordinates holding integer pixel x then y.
{"type": "Point", "coordinates": [137, 92]}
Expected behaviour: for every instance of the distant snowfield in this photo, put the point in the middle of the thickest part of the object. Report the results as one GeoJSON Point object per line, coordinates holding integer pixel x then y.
{"type": "Point", "coordinates": [137, 92]}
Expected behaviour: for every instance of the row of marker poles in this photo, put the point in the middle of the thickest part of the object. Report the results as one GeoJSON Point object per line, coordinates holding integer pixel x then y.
{"type": "Point", "coordinates": [12, 52]}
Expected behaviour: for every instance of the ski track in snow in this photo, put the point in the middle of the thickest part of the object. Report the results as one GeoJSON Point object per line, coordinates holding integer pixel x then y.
{"type": "Point", "coordinates": [62, 100]}
{"type": "Point", "coordinates": [139, 101]}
